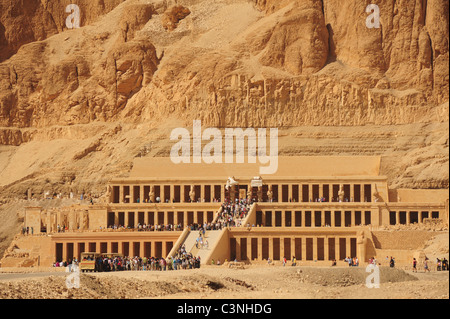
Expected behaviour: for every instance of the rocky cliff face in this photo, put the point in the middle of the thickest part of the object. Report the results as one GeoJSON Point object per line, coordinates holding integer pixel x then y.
{"type": "Point", "coordinates": [260, 63]}
{"type": "Point", "coordinates": [23, 22]}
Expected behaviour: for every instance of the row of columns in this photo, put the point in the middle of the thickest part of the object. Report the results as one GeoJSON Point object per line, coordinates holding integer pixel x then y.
{"type": "Point", "coordinates": [290, 196]}
{"type": "Point", "coordinates": [420, 216]}
{"type": "Point", "coordinates": [170, 196]}
{"type": "Point", "coordinates": [337, 248]}
{"type": "Point", "coordinates": [302, 221]}
{"type": "Point", "coordinates": [157, 248]}
{"type": "Point", "coordinates": [178, 217]}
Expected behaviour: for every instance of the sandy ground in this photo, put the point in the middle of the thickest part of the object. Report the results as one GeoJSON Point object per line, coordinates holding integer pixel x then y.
{"type": "Point", "coordinates": [221, 282]}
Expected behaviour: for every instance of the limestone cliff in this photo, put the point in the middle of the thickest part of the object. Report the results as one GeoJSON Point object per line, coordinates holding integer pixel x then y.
{"type": "Point", "coordinates": [97, 96]}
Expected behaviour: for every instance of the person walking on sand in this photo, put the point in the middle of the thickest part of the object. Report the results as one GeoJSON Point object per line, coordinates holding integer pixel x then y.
{"type": "Point", "coordinates": [414, 265]}
{"type": "Point", "coordinates": [425, 265]}
{"type": "Point", "coordinates": [392, 262]}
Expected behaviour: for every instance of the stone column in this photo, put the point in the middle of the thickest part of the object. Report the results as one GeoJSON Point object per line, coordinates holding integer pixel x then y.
{"type": "Point", "coordinates": [320, 190]}
{"type": "Point", "coordinates": [64, 251]}
{"type": "Point", "coordinates": [195, 217]}
{"type": "Point", "coordinates": [315, 248]}
{"type": "Point", "coordinates": [249, 248]}
{"type": "Point", "coordinates": [352, 193]}
{"type": "Point", "coordinates": [164, 251]}
{"type": "Point", "coordinates": [121, 194]}
{"type": "Point", "coordinates": [132, 193]}
{"type": "Point", "coordinates": [166, 217]}
{"type": "Point", "coordinates": [162, 193]}
{"type": "Point", "coordinates": [141, 193]}
{"type": "Point", "coordinates": [153, 248]}
{"type": "Point", "coordinates": [300, 193]}
{"type": "Point", "coordinates": [303, 248]}
{"type": "Point", "coordinates": [271, 248]}
{"type": "Point", "coordinates": [141, 248]}
{"type": "Point", "coordinates": [292, 249]}
{"type": "Point", "coordinates": [259, 248]}
{"type": "Point", "coordinates": [72, 219]}
{"type": "Point", "coordinates": [202, 192]}
{"type": "Point", "coordinates": [238, 249]}
{"type": "Point", "coordinates": [326, 252]}
{"type": "Point", "coordinates": [146, 217]}
{"type": "Point", "coordinates": [48, 221]}
{"type": "Point", "coordinates": [116, 218]}
{"type": "Point", "coordinates": [280, 193]}
{"type": "Point", "coordinates": [348, 247]}
{"type": "Point", "coordinates": [182, 193]}
{"type": "Point", "coordinates": [397, 217]}
{"type": "Point", "coordinates": [310, 193]}
{"type": "Point", "coordinates": [76, 250]}
{"type": "Point", "coordinates": [126, 219]}
{"type": "Point", "coordinates": [363, 194]}
{"type": "Point", "coordinates": [175, 218]}
{"type": "Point", "coordinates": [303, 219]}
{"type": "Point", "coordinates": [172, 193]}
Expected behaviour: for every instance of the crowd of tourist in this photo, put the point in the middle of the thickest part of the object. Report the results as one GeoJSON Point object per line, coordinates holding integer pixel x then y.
{"type": "Point", "coordinates": [232, 213]}
{"type": "Point", "coordinates": [441, 264]}
{"type": "Point", "coordinates": [185, 260]}
{"type": "Point", "coordinates": [352, 261]}
{"type": "Point", "coordinates": [148, 227]}
{"type": "Point", "coordinates": [181, 260]}
{"type": "Point", "coordinates": [169, 227]}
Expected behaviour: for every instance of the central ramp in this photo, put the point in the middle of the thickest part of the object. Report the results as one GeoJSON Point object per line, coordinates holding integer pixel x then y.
{"type": "Point", "coordinates": [204, 251]}
{"type": "Point", "coordinates": [189, 239]}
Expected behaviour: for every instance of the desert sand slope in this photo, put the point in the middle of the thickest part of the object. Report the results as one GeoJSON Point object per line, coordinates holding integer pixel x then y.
{"type": "Point", "coordinates": [220, 282]}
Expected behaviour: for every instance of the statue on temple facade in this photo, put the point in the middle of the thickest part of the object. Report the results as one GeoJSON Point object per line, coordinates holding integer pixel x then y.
{"type": "Point", "coordinates": [270, 193]}
{"type": "Point", "coordinates": [192, 194]}
{"type": "Point", "coordinates": [85, 221]}
{"type": "Point", "coordinates": [260, 194]}
{"type": "Point", "coordinates": [231, 182]}
{"type": "Point", "coordinates": [341, 193]}
{"type": "Point", "coordinates": [151, 194]}
{"type": "Point", "coordinates": [361, 242]}
{"type": "Point", "coordinates": [376, 195]}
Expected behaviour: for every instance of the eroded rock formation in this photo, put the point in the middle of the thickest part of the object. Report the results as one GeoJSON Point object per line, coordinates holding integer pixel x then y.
{"type": "Point", "coordinates": [263, 63]}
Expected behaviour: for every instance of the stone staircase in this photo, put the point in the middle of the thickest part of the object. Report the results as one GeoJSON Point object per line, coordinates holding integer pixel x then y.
{"type": "Point", "coordinates": [190, 240]}
{"type": "Point", "coordinates": [211, 236]}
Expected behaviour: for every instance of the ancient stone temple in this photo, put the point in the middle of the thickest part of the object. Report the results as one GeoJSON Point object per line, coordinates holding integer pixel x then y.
{"type": "Point", "coordinates": [317, 209]}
